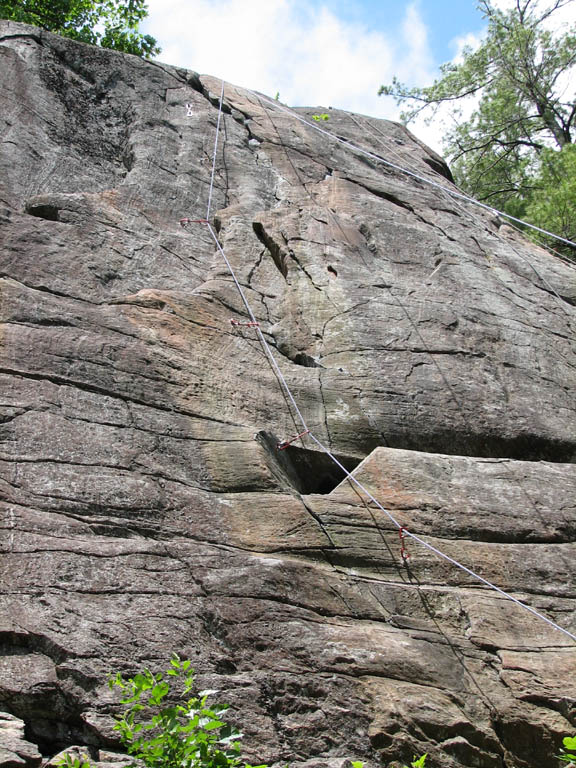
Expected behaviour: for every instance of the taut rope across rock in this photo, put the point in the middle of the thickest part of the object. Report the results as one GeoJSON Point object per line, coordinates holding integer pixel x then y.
{"type": "Point", "coordinates": [403, 531]}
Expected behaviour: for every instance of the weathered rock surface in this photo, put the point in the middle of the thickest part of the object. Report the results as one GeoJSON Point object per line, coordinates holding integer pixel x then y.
{"type": "Point", "coordinates": [15, 750]}
{"type": "Point", "coordinates": [146, 509]}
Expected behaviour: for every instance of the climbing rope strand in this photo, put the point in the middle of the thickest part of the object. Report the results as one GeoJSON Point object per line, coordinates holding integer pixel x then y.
{"type": "Point", "coordinates": [258, 330]}
{"type": "Point", "coordinates": [477, 576]}
{"type": "Point", "coordinates": [350, 476]}
{"type": "Point", "coordinates": [417, 538]}
{"type": "Point", "coordinates": [283, 380]}
{"type": "Point", "coordinates": [435, 550]}
{"type": "Point", "coordinates": [333, 458]}
{"type": "Point", "coordinates": [354, 480]}
{"type": "Point", "coordinates": [418, 176]}
{"type": "Point", "coordinates": [477, 220]}
{"type": "Point", "coordinates": [527, 261]}
{"type": "Point", "coordinates": [231, 270]}
{"type": "Point", "coordinates": [240, 291]}
{"type": "Point", "coordinates": [213, 173]}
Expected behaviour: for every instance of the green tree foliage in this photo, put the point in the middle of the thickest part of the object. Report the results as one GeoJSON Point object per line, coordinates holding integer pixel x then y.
{"type": "Point", "coordinates": [521, 82]}
{"type": "Point", "coordinates": [553, 201]}
{"type": "Point", "coordinates": [109, 23]}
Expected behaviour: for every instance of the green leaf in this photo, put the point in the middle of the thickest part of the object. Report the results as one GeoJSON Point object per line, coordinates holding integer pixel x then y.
{"type": "Point", "coordinates": [109, 23]}
{"type": "Point", "coordinates": [181, 735]}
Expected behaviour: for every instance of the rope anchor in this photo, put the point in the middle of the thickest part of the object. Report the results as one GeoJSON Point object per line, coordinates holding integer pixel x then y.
{"type": "Point", "coordinates": [404, 554]}
{"type": "Point", "coordinates": [244, 325]}
{"type": "Point", "coordinates": [403, 532]}
{"type": "Point", "coordinates": [189, 110]}
{"type": "Point", "coordinates": [285, 443]}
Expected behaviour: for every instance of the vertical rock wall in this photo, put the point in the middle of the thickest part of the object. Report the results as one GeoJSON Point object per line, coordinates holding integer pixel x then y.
{"type": "Point", "coordinates": [146, 509]}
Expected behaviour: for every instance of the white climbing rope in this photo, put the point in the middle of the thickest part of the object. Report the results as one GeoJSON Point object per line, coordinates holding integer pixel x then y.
{"type": "Point", "coordinates": [367, 153]}
{"type": "Point", "coordinates": [257, 327]}
{"type": "Point", "coordinates": [564, 304]}
{"type": "Point", "coordinates": [437, 551]}
{"type": "Point", "coordinates": [348, 475]}
{"type": "Point", "coordinates": [213, 173]}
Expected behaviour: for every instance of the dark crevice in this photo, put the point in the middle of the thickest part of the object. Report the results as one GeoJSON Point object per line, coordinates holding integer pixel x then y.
{"type": "Point", "coordinates": [53, 322]}
{"type": "Point", "coordinates": [388, 196]}
{"type": "Point", "coordinates": [278, 255]}
{"type": "Point", "coordinates": [45, 211]}
{"type": "Point", "coordinates": [369, 238]}
{"type": "Point", "coordinates": [255, 268]}
{"type": "Point", "coordinates": [325, 530]}
{"type": "Point", "coordinates": [52, 717]}
{"type": "Point", "coordinates": [23, 35]}
{"type": "Point", "coordinates": [567, 298]}
{"type": "Point", "coordinates": [298, 358]}
{"type": "Point", "coordinates": [215, 101]}
{"type": "Point", "coordinates": [306, 470]}
{"type": "Point", "coordinates": [14, 643]}
{"type": "Point", "coordinates": [301, 358]}
{"type": "Point", "coordinates": [440, 167]}
{"type": "Point", "coordinates": [469, 442]}
{"type": "Point", "coordinates": [303, 268]}
{"type": "Point", "coordinates": [153, 122]}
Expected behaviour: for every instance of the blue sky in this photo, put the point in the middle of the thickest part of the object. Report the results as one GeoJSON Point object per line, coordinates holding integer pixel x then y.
{"type": "Point", "coordinates": [321, 52]}
{"type": "Point", "coordinates": [446, 20]}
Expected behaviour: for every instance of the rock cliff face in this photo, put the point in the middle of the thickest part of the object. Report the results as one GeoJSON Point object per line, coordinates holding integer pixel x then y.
{"type": "Point", "coordinates": [146, 507]}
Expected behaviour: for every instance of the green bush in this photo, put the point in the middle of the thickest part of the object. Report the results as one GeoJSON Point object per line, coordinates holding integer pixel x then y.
{"type": "Point", "coordinates": [190, 734]}
{"type": "Point", "coordinates": [567, 755]}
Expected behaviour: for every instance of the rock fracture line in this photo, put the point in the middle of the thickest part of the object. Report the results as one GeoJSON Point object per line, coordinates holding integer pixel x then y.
{"type": "Point", "coordinates": [404, 533]}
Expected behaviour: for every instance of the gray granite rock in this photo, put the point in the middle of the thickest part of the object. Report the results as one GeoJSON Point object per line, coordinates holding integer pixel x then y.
{"type": "Point", "coordinates": [15, 750]}
{"type": "Point", "coordinates": [146, 509]}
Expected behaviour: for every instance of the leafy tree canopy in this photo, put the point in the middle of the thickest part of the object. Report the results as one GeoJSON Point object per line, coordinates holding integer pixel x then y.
{"type": "Point", "coordinates": [552, 204]}
{"type": "Point", "coordinates": [109, 23]}
{"type": "Point", "coordinates": [520, 80]}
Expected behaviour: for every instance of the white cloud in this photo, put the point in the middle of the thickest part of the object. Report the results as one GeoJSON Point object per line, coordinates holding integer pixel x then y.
{"type": "Point", "coordinates": [558, 20]}
{"type": "Point", "coordinates": [306, 53]}
{"type": "Point", "coordinates": [444, 118]}
{"type": "Point", "coordinates": [471, 40]}
{"type": "Point", "coordinates": [416, 65]}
